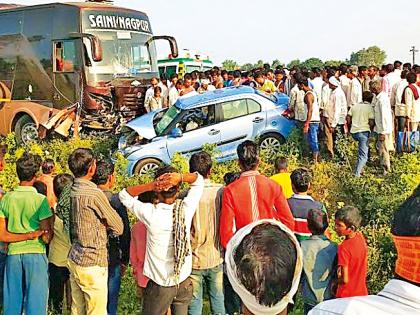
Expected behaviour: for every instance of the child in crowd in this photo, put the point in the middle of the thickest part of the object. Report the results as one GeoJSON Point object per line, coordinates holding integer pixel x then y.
{"type": "Point", "coordinates": [156, 101]}
{"type": "Point", "coordinates": [60, 245]}
{"type": "Point", "coordinates": [352, 254]}
{"type": "Point", "coordinates": [48, 170]}
{"type": "Point", "coordinates": [300, 203]}
{"type": "Point", "coordinates": [27, 213]}
{"type": "Point", "coordinates": [282, 177]}
{"type": "Point", "coordinates": [319, 262]}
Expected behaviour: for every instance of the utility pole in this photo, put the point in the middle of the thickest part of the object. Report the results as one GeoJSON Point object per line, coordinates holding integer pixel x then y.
{"type": "Point", "coordinates": [414, 50]}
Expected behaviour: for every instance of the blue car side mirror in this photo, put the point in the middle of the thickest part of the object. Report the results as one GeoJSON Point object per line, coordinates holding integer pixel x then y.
{"type": "Point", "coordinates": [176, 133]}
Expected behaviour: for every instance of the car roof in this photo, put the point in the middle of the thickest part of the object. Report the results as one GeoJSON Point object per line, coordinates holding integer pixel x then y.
{"type": "Point", "coordinates": [197, 100]}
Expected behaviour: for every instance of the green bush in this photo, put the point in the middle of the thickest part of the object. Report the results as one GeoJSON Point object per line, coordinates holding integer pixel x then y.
{"type": "Point", "coordinates": [333, 183]}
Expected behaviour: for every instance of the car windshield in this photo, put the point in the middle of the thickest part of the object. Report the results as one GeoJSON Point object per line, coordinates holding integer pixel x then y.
{"type": "Point", "coordinates": [166, 120]}
{"type": "Point", "coordinates": [125, 54]}
{"type": "Point", "coordinates": [271, 97]}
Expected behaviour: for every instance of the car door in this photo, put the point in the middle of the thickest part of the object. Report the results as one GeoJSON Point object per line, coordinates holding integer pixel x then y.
{"type": "Point", "coordinates": [240, 120]}
{"type": "Point", "coordinates": [198, 128]}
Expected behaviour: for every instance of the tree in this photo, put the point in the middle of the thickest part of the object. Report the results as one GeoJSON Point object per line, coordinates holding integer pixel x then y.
{"type": "Point", "coordinates": [333, 63]}
{"type": "Point", "coordinates": [247, 67]}
{"type": "Point", "coordinates": [276, 63]}
{"type": "Point", "coordinates": [259, 64]}
{"type": "Point", "coordinates": [293, 63]}
{"type": "Point", "coordinates": [230, 65]}
{"type": "Point", "coordinates": [312, 63]}
{"type": "Point", "coordinates": [367, 57]}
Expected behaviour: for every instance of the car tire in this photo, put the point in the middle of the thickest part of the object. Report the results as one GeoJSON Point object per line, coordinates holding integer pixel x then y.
{"type": "Point", "coordinates": [147, 167]}
{"type": "Point", "coordinates": [25, 130]}
{"type": "Point", "coordinates": [271, 143]}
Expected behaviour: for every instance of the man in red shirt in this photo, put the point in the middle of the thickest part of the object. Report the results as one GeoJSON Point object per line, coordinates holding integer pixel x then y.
{"type": "Point", "coordinates": [252, 197]}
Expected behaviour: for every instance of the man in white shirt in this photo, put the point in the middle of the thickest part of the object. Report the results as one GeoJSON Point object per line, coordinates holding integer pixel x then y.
{"type": "Point", "coordinates": [412, 101]}
{"type": "Point", "coordinates": [344, 80]}
{"type": "Point", "coordinates": [334, 113]}
{"type": "Point", "coordinates": [400, 109]}
{"type": "Point", "coordinates": [174, 92]}
{"type": "Point", "coordinates": [401, 296]}
{"type": "Point", "coordinates": [361, 117]}
{"type": "Point", "coordinates": [384, 124]}
{"type": "Point", "coordinates": [356, 89]}
{"type": "Point", "coordinates": [163, 84]}
{"type": "Point", "coordinates": [168, 261]}
{"type": "Point", "coordinates": [296, 103]}
{"type": "Point", "coordinates": [317, 82]}
{"type": "Point", "coordinates": [150, 92]}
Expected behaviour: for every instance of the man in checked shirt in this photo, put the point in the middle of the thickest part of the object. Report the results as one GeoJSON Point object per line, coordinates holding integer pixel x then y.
{"type": "Point", "coordinates": [91, 216]}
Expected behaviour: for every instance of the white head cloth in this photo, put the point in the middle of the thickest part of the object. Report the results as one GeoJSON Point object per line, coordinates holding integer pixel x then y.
{"type": "Point", "coordinates": [247, 298]}
{"type": "Point", "coordinates": [334, 81]}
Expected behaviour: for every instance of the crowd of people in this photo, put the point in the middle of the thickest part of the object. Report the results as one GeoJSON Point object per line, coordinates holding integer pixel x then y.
{"type": "Point", "coordinates": [252, 244]}
{"type": "Point", "coordinates": [361, 101]}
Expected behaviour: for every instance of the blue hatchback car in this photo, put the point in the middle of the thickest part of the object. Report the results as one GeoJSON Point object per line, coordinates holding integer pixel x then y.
{"type": "Point", "coordinates": [224, 117]}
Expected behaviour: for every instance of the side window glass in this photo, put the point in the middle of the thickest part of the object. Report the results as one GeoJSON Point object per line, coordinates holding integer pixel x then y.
{"type": "Point", "coordinates": [64, 56]}
{"type": "Point", "coordinates": [197, 118]}
{"type": "Point", "coordinates": [253, 106]}
{"type": "Point", "coordinates": [234, 109]}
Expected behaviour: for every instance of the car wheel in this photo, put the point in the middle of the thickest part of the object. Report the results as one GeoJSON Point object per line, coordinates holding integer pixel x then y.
{"type": "Point", "coordinates": [271, 143]}
{"type": "Point", "coordinates": [25, 130]}
{"type": "Point", "coordinates": [147, 167]}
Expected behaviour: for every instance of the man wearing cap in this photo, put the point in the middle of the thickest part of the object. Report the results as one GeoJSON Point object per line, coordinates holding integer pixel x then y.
{"type": "Point", "coordinates": [401, 295]}
{"type": "Point", "coordinates": [205, 86]}
{"type": "Point", "coordinates": [334, 113]}
{"type": "Point", "coordinates": [264, 264]}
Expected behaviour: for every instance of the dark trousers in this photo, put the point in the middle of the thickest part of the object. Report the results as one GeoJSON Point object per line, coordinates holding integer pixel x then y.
{"type": "Point", "coordinates": [58, 278]}
{"type": "Point", "coordinates": [232, 300]}
{"type": "Point", "coordinates": [158, 299]}
{"type": "Point", "coordinates": [401, 121]}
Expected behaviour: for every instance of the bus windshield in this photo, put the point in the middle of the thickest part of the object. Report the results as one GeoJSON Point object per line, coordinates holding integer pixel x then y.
{"type": "Point", "coordinates": [125, 54]}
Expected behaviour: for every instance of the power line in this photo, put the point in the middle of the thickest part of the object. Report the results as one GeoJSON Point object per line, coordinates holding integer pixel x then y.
{"type": "Point", "coordinates": [414, 50]}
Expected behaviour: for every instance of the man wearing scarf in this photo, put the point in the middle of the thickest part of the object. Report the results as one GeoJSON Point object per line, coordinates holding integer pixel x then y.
{"type": "Point", "coordinates": [401, 295]}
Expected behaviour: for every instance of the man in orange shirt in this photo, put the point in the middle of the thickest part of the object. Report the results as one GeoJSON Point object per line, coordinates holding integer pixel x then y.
{"type": "Point", "coordinates": [252, 197]}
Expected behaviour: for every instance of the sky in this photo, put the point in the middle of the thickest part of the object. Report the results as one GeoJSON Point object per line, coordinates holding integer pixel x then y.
{"type": "Point", "coordinates": [250, 30]}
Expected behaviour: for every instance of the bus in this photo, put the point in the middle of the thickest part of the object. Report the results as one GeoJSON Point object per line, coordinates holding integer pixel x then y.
{"type": "Point", "coordinates": [91, 55]}
{"type": "Point", "coordinates": [186, 62]}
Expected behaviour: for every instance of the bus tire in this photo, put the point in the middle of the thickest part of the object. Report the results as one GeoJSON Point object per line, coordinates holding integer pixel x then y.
{"type": "Point", "coordinates": [25, 130]}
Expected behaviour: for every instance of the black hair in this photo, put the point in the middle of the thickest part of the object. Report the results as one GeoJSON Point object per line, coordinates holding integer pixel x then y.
{"type": "Point", "coordinates": [389, 68]}
{"type": "Point", "coordinates": [281, 164]}
{"type": "Point", "coordinates": [343, 69]}
{"type": "Point", "coordinates": [201, 162]}
{"type": "Point", "coordinates": [407, 65]}
{"type": "Point", "coordinates": [258, 74]}
{"type": "Point", "coordinates": [187, 77]}
{"type": "Point", "coordinates": [40, 187]}
{"type": "Point", "coordinates": [174, 75]}
{"type": "Point", "coordinates": [266, 262]}
{"type": "Point", "coordinates": [157, 89]}
{"type": "Point", "coordinates": [317, 221]}
{"type": "Point", "coordinates": [301, 179]}
{"type": "Point", "coordinates": [361, 68]}
{"type": "Point", "coordinates": [406, 221]}
{"type": "Point", "coordinates": [350, 216]}
{"type": "Point", "coordinates": [301, 79]}
{"type": "Point", "coordinates": [104, 169]}
{"type": "Point", "coordinates": [397, 64]}
{"type": "Point", "coordinates": [411, 78]}
{"type": "Point", "coordinates": [404, 74]}
{"type": "Point", "coordinates": [60, 181]}
{"type": "Point", "coordinates": [48, 166]}
{"type": "Point", "coordinates": [223, 72]}
{"type": "Point", "coordinates": [248, 155]}
{"type": "Point", "coordinates": [230, 177]}
{"type": "Point", "coordinates": [171, 192]}
{"type": "Point", "coordinates": [237, 74]}
{"type": "Point", "coordinates": [279, 71]}
{"type": "Point", "coordinates": [80, 160]}
{"type": "Point", "coordinates": [27, 166]}
{"type": "Point", "coordinates": [367, 96]}
{"type": "Point", "coordinates": [179, 82]}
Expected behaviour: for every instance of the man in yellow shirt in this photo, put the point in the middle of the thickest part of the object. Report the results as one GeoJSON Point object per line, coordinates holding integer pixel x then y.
{"type": "Point", "coordinates": [264, 84]}
{"type": "Point", "coordinates": [282, 177]}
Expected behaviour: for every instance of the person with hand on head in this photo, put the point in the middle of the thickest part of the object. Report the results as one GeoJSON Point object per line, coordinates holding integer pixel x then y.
{"type": "Point", "coordinates": [168, 262]}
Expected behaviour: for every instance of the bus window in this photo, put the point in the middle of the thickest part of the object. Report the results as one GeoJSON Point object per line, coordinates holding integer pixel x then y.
{"type": "Point", "coordinates": [64, 56]}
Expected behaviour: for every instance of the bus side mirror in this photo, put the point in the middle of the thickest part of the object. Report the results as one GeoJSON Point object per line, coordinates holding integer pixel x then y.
{"type": "Point", "coordinates": [97, 53]}
{"type": "Point", "coordinates": [172, 43]}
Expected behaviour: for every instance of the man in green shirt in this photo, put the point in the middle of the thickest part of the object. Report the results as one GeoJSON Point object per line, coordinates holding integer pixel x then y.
{"type": "Point", "coordinates": [24, 216]}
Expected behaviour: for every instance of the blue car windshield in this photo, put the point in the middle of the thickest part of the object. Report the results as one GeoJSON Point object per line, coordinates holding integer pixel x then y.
{"type": "Point", "coordinates": [266, 95]}
{"type": "Point", "coordinates": [166, 120]}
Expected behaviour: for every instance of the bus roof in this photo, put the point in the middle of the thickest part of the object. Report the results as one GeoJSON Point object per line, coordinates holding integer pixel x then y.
{"type": "Point", "coordinates": [80, 5]}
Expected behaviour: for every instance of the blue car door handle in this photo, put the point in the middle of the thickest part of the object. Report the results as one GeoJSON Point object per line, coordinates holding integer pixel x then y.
{"type": "Point", "coordinates": [214, 132]}
{"type": "Point", "coordinates": [258, 120]}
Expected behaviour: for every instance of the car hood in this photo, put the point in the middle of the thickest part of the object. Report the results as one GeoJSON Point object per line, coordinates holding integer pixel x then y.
{"type": "Point", "coordinates": [143, 125]}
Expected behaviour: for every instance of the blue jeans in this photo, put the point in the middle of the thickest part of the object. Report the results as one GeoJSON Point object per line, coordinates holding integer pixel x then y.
{"type": "Point", "coordinates": [214, 280]}
{"type": "Point", "coordinates": [363, 139]}
{"type": "Point", "coordinates": [26, 284]}
{"type": "Point", "coordinates": [312, 137]}
{"type": "Point", "coordinates": [114, 283]}
{"type": "Point", "coordinates": [3, 257]}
